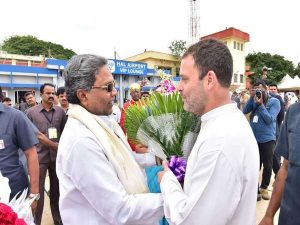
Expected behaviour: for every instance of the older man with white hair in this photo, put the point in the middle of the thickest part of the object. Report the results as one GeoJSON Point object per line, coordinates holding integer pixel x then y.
{"type": "Point", "coordinates": [100, 181]}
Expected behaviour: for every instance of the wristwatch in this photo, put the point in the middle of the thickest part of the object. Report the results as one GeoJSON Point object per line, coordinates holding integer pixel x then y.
{"type": "Point", "coordinates": [35, 196]}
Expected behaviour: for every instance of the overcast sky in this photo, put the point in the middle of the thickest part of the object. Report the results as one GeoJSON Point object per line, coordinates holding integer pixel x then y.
{"type": "Point", "coordinates": [131, 26]}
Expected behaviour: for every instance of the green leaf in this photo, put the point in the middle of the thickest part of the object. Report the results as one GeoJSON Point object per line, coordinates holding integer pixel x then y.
{"type": "Point", "coordinates": [160, 107]}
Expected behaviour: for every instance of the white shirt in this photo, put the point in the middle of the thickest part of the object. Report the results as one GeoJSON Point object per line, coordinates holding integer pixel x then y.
{"type": "Point", "coordinates": [90, 191]}
{"type": "Point", "coordinates": [116, 114]}
{"type": "Point", "coordinates": [221, 179]}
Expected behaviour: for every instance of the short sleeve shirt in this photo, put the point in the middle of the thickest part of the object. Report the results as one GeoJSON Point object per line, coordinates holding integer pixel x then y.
{"type": "Point", "coordinates": [44, 120]}
{"type": "Point", "coordinates": [16, 131]}
{"type": "Point", "coordinates": [288, 146]}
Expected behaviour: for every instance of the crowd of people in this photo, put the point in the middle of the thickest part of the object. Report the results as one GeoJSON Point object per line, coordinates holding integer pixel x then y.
{"type": "Point", "coordinates": [287, 98]}
{"type": "Point", "coordinates": [76, 135]}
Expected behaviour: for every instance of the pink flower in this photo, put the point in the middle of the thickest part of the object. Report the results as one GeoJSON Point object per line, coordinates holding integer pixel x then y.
{"type": "Point", "coordinates": [8, 216]}
{"type": "Point", "coordinates": [168, 86]}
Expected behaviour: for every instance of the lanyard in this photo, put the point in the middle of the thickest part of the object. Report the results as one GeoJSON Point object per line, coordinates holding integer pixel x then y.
{"type": "Point", "coordinates": [50, 121]}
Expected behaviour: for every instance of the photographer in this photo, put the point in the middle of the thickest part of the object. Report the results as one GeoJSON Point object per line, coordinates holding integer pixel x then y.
{"type": "Point", "coordinates": [264, 110]}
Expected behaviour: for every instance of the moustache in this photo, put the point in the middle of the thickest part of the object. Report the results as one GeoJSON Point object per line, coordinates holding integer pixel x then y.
{"type": "Point", "coordinates": [50, 98]}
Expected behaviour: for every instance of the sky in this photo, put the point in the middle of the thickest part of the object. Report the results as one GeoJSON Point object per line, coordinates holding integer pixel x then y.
{"type": "Point", "coordinates": [131, 26]}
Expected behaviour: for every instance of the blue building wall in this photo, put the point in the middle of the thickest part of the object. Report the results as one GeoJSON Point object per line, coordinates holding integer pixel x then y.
{"type": "Point", "coordinates": [54, 68]}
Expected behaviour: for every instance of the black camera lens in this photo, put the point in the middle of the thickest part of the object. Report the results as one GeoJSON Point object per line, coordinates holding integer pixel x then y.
{"type": "Point", "coordinates": [258, 94]}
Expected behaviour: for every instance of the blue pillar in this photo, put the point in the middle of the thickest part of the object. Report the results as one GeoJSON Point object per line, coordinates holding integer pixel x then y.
{"type": "Point", "coordinates": [11, 81]}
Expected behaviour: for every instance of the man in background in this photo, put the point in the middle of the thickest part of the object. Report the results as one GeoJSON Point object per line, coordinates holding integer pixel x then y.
{"type": "Point", "coordinates": [264, 75]}
{"type": "Point", "coordinates": [7, 101]}
{"type": "Point", "coordinates": [264, 110]}
{"type": "Point", "coordinates": [244, 97]}
{"type": "Point", "coordinates": [30, 99]}
{"type": "Point", "coordinates": [236, 98]}
{"type": "Point", "coordinates": [285, 193]}
{"type": "Point", "coordinates": [145, 94]}
{"type": "Point", "coordinates": [16, 132]}
{"type": "Point", "coordinates": [50, 121]}
{"type": "Point", "coordinates": [135, 93]}
{"type": "Point", "coordinates": [273, 89]}
{"type": "Point", "coordinates": [62, 98]}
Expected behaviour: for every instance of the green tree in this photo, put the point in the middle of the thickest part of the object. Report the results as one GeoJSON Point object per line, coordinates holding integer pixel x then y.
{"type": "Point", "coordinates": [177, 48]}
{"type": "Point", "coordinates": [297, 70]}
{"type": "Point", "coordinates": [30, 45]}
{"type": "Point", "coordinates": [278, 65]}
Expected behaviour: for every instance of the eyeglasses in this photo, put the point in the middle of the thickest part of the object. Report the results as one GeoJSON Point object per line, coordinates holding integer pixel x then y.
{"type": "Point", "coordinates": [109, 87]}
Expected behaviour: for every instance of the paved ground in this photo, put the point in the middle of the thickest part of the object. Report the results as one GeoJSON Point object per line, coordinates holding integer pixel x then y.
{"type": "Point", "coordinates": [260, 210]}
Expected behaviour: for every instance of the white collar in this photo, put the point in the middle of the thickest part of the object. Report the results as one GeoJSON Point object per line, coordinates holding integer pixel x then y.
{"type": "Point", "coordinates": [107, 121]}
{"type": "Point", "coordinates": [219, 111]}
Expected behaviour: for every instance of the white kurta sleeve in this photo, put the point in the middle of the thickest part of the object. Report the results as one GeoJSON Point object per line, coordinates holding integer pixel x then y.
{"type": "Point", "coordinates": [212, 195]}
{"type": "Point", "coordinates": [95, 178]}
{"type": "Point", "coordinates": [145, 159]}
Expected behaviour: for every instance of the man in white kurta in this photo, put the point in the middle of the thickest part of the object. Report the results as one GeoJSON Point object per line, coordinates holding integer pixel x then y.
{"type": "Point", "coordinates": [90, 191]}
{"type": "Point", "coordinates": [220, 185]}
{"type": "Point", "coordinates": [100, 181]}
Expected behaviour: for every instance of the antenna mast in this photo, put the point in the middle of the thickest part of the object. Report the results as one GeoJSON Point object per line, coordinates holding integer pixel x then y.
{"type": "Point", "coordinates": [194, 21]}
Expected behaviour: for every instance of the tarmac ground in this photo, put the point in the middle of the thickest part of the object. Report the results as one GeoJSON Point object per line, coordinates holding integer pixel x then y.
{"type": "Point", "coordinates": [260, 208]}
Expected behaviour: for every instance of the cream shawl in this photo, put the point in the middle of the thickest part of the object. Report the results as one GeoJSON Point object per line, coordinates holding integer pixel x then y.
{"type": "Point", "coordinates": [115, 147]}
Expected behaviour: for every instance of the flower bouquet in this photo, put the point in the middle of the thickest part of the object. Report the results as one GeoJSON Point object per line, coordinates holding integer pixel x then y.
{"type": "Point", "coordinates": [161, 123]}
{"type": "Point", "coordinates": [18, 210]}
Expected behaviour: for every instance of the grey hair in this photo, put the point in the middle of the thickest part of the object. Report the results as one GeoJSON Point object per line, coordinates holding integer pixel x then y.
{"type": "Point", "coordinates": [80, 73]}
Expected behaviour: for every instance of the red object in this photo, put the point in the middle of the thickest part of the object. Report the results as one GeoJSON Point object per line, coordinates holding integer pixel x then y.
{"type": "Point", "coordinates": [9, 217]}
{"type": "Point", "coordinates": [122, 120]}
{"type": "Point", "coordinates": [230, 32]}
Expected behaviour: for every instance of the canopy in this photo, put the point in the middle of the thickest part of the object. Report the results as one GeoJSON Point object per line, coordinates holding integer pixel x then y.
{"type": "Point", "coordinates": [288, 83]}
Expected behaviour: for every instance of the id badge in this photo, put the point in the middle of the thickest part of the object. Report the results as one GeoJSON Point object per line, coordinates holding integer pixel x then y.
{"type": "Point", "coordinates": [2, 146]}
{"type": "Point", "coordinates": [255, 119]}
{"type": "Point", "coordinates": [52, 133]}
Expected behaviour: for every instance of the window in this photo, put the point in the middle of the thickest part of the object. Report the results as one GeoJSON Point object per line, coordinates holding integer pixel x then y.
{"type": "Point", "coordinates": [22, 63]}
{"type": "Point", "coordinates": [235, 78]}
{"type": "Point", "coordinates": [242, 47]}
{"type": "Point", "coordinates": [241, 78]}
{"type": "Point", "coordinates": [4, 94]}
{"type": "Point", "coordinates": [166, 70]}
{"type": "Point", "coordinates": [234, 44]}
{"type": "Point", "coordinates": [238, 46]}
{"type": "Point", "coordinates": [177, 71]}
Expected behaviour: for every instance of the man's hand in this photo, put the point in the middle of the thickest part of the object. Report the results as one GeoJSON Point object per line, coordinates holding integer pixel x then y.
{"type": "Point", "coordinates": [266, 221]}
{"type": "Point", "coordinates": [259, 101]}
{"type": "Point", "coordinates": [44, 140]}
{"type": "Point", "coordinates": [33, 207]}
{"type": "Point", "coordinates": [140, 148]}
{"type": "Point", "coordinates": [162, 173]}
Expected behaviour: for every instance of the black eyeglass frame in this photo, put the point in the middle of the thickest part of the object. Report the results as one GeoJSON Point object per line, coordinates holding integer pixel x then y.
{"type": "Point", "coordinates": [109, 87]}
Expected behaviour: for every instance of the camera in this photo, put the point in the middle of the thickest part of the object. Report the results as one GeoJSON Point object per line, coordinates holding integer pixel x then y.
{"type": "Point", "coordinates": [258, 94]}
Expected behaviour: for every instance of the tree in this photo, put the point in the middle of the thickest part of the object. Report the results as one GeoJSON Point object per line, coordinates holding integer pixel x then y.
{"type": "Point", "coordinates": [277, 64]}
{"type": "Point", "coordinates": [297, 70]}
{"type": "Point", "coordinates": [30, 45]}
{"type": "Point", "coordinates": [177, 48]}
